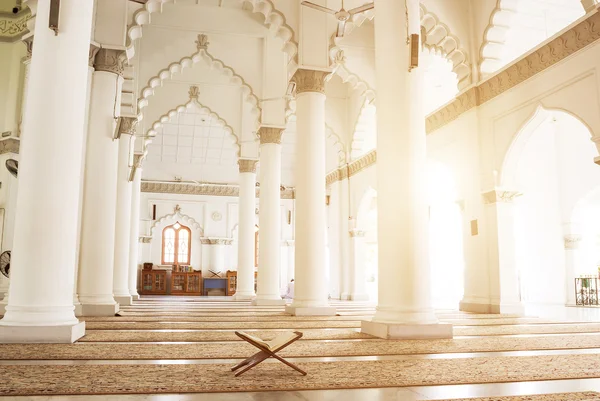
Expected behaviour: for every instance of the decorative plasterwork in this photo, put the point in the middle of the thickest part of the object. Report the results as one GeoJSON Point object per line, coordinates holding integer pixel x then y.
{"type": "Point", "coordinates": [247, 165]}
{"type": "Point", "coordinates": [203, 189]}
{"type": "Point", "coordinates": [310, 81]}
{"type": "Point", "coordinates": [183, 107]}
{"type": "Point", "coordinates": [13, 26]}
{"type": "Point", "coordinates": [437, 36]}
{"type": "Point", "coordinates": [216, 216]}
{"type": "Point", "coordinates": [356, 233]}
{"type": "Point", "coordinates": [9, 145]}
{"type": "Point", "coordinates": [355, 82]}
{"type": "Point", "coordinates": [110, 60]}
{"type": "Point", "coordinates": [499, 196]}
{"type": "Point", "coordinates": [177, 216]}
{"type": "Point", "coordinates": [188, 62]}
{"type": "Point", "coordinates": [273, 19]}
{"type": "Point", "coordinates": [572, 241]}
{"type": "Point", "coordinates": [338, 145]}
{"type": "Point", "coordinates": [145, 240]}
{"type": "Point", "coordinates": [216, 241]}
{"type": "Point", "coordinates": [545, 56]}
{"type": "Point", "coordinates": [127, 126]}
{"type": "Point", "coordinates": [270, 135]}
{"type": "Point", "coordinates": [353, 168]}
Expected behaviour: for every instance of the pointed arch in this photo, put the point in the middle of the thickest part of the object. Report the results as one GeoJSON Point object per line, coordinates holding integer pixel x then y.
{"type": "Point", "coordinates": [182, 108]}
{"type": "Point", "coordinates": [188, 62]}
{"type": "Point", "coordinates": [274, 19]}
{"type": "Point", "coordinates": [178, 216]}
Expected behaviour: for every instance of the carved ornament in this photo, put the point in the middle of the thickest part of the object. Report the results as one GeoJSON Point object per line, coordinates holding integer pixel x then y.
{"type": "Point", "coordinates": [247, 165]}
{"type": "Point", "coordinates": [216, 241]}
{"type": "Point", "coordinates": [500, 196]}
{"type": "Point", "coordinates": [572, 241]}
{"type": "Point", "coordinates": [356, 233]}
{"type": "Point", "coordinates": [270, 135]}
{"type": "Point", "coordinates": [110, 60]}
{"type": "Point", "coordinates": [13, 27]}
{"type": "Point", "coordinates": [10, 145]}
{"type": "Point", "coordinates": [202, 42]}
{"type": "Point", "coordinates": [127, 126]}
{"type": "Point", "coordinates": [310, 81]}
{"type": "Point", "coordinates": [194, 92]}
{"type": "Point", "coordinates": [209, 190]}
{"type": "Point", "coordinates": [216, 216]}
{"type": "Point", "coordinates": [547, 55]}
{"type": "Point", "coordinates": [145, 240]}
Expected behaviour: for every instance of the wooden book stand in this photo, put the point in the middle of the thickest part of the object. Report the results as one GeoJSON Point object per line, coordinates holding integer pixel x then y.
{"type": "Point", "coordinates": [267, 349]}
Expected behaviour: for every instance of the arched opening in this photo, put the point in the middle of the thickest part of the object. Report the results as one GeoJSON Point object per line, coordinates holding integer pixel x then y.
{"type": "Point", "coordinates": [440, 81]}
{"type": "Point", "coordinates": [551, 165]}
{"type": "Point", "coordinates": [176, 245]}
{"type": "Point", "coordinates": [446, 252]}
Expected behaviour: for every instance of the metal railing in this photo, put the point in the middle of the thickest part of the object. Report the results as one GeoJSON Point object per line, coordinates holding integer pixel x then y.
{"type": "Point", "coordinates": [586, 290]}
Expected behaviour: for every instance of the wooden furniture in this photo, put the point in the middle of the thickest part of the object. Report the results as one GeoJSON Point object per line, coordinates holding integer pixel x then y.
{"type": "Point", "coordinates": [231, 282]}
{"type": "Point", "coordinates": [255, 278]}
{"type": "Point", "coordinates": [186, 283]}
{"type": "Point", "coordinates": [213, 284]}
{"type": "Point", "coordinates": [154, 282]}
{"type": "Point", "coordinates": [267, 349]}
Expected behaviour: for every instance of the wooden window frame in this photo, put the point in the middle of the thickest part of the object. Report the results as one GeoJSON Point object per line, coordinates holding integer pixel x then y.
{"type": "Point", "coordinates": [176, 260]}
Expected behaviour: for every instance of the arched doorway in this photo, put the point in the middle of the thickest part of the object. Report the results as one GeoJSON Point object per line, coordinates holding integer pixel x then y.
{"type": "Point", "coordinates": [551, 166]}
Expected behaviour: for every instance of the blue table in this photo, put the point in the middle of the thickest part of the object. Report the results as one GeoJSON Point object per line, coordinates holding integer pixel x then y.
{"type": "Point", "coordinates": [215, 283]}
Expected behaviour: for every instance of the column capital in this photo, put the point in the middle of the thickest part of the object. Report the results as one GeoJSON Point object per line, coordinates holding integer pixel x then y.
{"type": "Point", "coordinates": [356, 233]}
{"type": "Point", "coordinates": [572, 241]}
{"type": "Point", "coordinates": [216, 241]}
{"type": "Point", "coordinates": [28, 41]}
{"type": "Point", "coordinates": [126, 126]}
{"type": "Point", "coordinates": [110, 60]}
{"type": "Point", "coordinates": [310, 80]}
{"type": "Point", "coordinates": [270, 135]}
{"type": "Point", "coordinates": [247, 165]}
{"type": "Point", "coordinates": [499, 195]}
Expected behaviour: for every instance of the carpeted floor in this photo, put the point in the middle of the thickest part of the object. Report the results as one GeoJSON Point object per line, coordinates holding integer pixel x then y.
{"type": "Point", "coordinates": [181, 378]}
{"type": "Point", "coordinates": [587, 396]}
{"type": "Point", "coordinates": [326, 348]}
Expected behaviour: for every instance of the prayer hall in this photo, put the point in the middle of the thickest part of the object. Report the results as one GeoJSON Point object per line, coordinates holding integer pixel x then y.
{"type": "Point", "coordinates": [300, 200]}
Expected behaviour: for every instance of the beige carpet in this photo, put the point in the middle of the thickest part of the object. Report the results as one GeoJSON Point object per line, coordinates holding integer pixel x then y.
{"type": "Point", "coordinates": [196, 336]}
{"type": "Point", "coordinates": [587, 396]}
{"type": "Point", "coordinates": [149, 379]}
{"type": "Point", "coordinates": [561, 328]}
{"type": "Point", "coordinates": [327, 348]}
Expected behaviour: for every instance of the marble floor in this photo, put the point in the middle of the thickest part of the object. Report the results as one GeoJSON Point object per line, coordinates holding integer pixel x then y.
{"type": "Point", "coordinates": [151, 304]}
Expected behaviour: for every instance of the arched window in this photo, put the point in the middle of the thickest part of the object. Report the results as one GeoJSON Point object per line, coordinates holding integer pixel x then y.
{"type": "Point", "coordinates": [176, 245]}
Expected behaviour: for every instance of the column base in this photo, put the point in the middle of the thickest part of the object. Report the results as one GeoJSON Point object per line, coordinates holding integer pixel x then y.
{"type": "Point", "coordinates": [135, 297]}
{"type": "Point", "coordinates": [243, 297]}
{"type": "Point", "coordinates": [344, 296]}
{"type": "Point", "coordinates": [268, 302]}
{"type": "Point", "coordinates": [99, 309]}
{"type": "Point", "coordinates": [490, 308]}
{"type": "Point", "coordinates": [398, 331]}
{"type": "Point", "coordinates": [359, 297]}
{"type": "Point", "coordinates": [124, 300]}
{"type": "Point", "coordinates": [42, 334]}
{"type": "Point", "coordinates": [310, 310]}
{"type": "Point", "coordinates": [78, 309]}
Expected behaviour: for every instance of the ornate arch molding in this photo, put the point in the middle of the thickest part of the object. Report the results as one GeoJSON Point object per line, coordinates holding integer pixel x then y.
{"type": "Point", "coordinates": [182, 108]}
{"type": "Point", "coordinates": [437, 36]}
{"type": "Point", "coordinates": [274, 20]}
{"type": "Point", "coordinates": [360, 127]}
{"type": "Point", "coordinates": [337, 144]}
{"type": "Point", "coordinates": [178, 216]}
{"type": "Point", "coordinates": [188, 62]}
{"type": "Point", "coordinates": [494, 37]}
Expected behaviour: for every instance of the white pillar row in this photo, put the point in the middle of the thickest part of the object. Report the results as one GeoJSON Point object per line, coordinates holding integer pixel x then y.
{"type": "Point", "coordinates": [9, 150]}
{"type": "Point", "coordinates": [96, 260]}
{"type": "Point", "coordinates": [247, 205]}
{"type": "Point", "coordinates": [123, 217]}
{"type": "Point", "coordinates": [572, 242]}
{"type": "Point", "coordinates": [40, 302]}
{"type": "Point", "coordinates": [498, 227]}
{"type": "Point", "coordinates": [357, 265]}
{"type": "Point", "coordinates": [404, 307]}
{"type": "Point", "coordinates": [310, 290]}
{"type": "Point", "coordinates": [269, 218]}
{"type": "Point", "coordinates": [134, 244]}
{"type": "Point", "coordinates": [344, 227]}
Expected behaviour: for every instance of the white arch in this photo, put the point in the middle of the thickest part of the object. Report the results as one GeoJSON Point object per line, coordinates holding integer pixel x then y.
{"type": "Point", "coordinates": [188, 62]}
{"type": "Point", "coordinates": [503, 19]}
{"type": "Point", "coordinates": [182, 108]}
{"type": "Point", "coordinates": [274, 20]}
{"type": "Point", "coordinates": [436, 35]}
{"type": "Point", "coordinates": [178, 216]}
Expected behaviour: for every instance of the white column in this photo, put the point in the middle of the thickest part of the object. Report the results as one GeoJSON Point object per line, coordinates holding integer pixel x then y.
{"type": "Point", "coordinates": [269, 218]}
{"type": "Point", "coordinates": [310, 290]}
{"type": "Point", "coordinates": [217, 254]}
{"type": "Point", "coordinates": [357, 265]}
{"type": "Point", "coordinates": [344, 227]}
{"type": "Point", "coordinates": [572, 260]}
{"type": "Point", "coordinates": [96, 260]}
{"type": "Point", "coordinates": [40, 302]}
{"type": "Point", "coordinates": [134, 244]}
{"type": "Point", "coordinates": [291, 252]}
{"type": "Point", "coordinates": [404, 306]}
{"type": "Point", "coordinates": [246, 233]}
{"type": "Point", "coordinates": [123, 221]}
